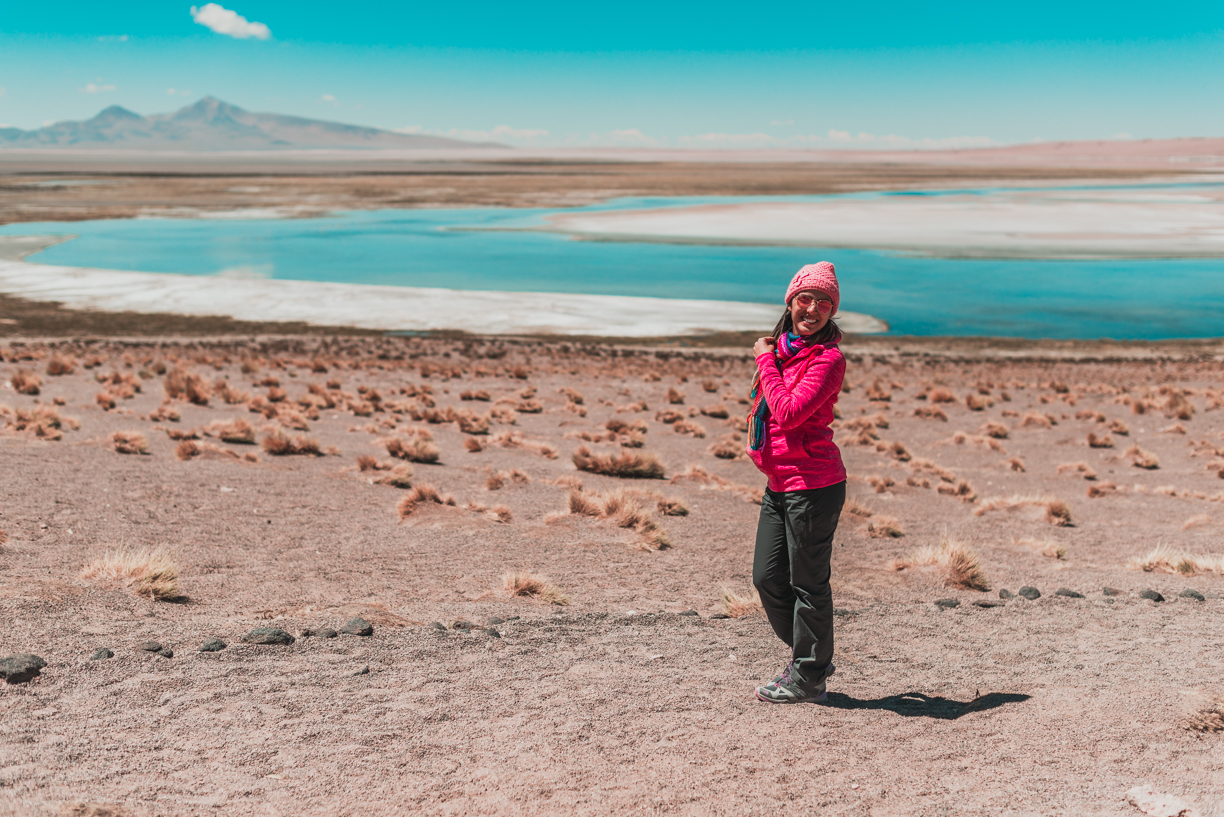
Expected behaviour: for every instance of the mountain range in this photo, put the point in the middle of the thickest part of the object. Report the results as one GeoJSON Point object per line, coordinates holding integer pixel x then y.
{"type": "Point", "coordinates": [213, 125]}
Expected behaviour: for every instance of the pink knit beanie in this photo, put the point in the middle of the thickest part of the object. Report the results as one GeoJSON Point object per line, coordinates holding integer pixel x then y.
{"type": "Point", "coordinates": [819, 276]}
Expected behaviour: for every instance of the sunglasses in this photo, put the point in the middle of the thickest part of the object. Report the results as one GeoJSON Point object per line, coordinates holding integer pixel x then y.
{"type": "Point", "coordinates": [805, 301]}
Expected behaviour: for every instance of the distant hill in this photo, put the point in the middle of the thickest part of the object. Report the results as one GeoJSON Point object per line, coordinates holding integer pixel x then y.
{"type": "Point", "coordinates": [212, 125]}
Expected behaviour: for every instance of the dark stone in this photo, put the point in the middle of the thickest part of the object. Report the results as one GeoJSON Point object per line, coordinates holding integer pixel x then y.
{"type": "Point", "coordinates": [437, 625]}
{"type": "Point", "coordinates": [326, 632]}
{"type": "Point", "coordinates": [213, 645]}
{"type": "Point", "coordinates": [988, 603]}
{"type": "Point", "coordinates": [17, 669]}
{"type": "Point", "coordinates": [720, 615]}
{"type": "Point", "coordinates": [513, 618]}
{"type": "Point", "coordinates": [101, 655]}
{"type": "Point", "coordinates": [166, 652]}
{"type": "Point", "coordinates": [363, 671]}
{"type": "Point", "coordinates": [1150, 594]}
{"type": "Point", "coordinates": [1006, 594]}
{"type": "Point", "coordinates": [1192, 594]}
{"type": "Point", "coordinates": [494, 620]}
{"type": "Point", "coordinates": [150, 646]}
{"type": "Point", "coordinates": [947, 604]}
{"type": "Point", "coordinates": [268, 635]}
{"type": "Point", "coordinates": [1070, 594]}
{"type": "Point", "coordinates": [688, 612]}
{"type": "Point", "coordinates": [493, 633]}
{"type": "Point", "coordinates": [460, 624]}
{"type": "Point", "coordinates": [306, 632]}
{"type": "Point", "coordinates": [1030, 593]}
{"type": "Point", "coordinates": [357, 626]}
{"type": "Point", "coordinates": [842, 611]}
{"type": "Point", "coordinates": [1112, 591]}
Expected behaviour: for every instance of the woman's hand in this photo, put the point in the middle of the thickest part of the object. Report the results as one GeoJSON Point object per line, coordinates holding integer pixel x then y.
{"type": "Point", "coordinates": [762, 346]}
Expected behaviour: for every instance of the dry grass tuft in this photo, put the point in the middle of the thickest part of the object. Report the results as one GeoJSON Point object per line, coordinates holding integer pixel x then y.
{"type": "Point", "coordinates": [130, 442]}
{"type": "Point", "coordinates": [513, 439]}
{"type": "Point", "coordinates": [1035, 420]}
{"type": "Point", "coordinates": [884, 527]}
{"type": "Point", "coordinates": [856, 508]}
{"type": "Point", "coordinates": [1105, 441]}
{"type": "Point", "coordinates": [149, 573]}
{"type": "Point", "coordinates": [964, 570]}
{"type": "Point", "coordinates": [1016, 464]}
{"type": "Point", "coordinates": [735, 605]}
{"type": "Point", "coordinates": [502, 512]}
{"type": "Point", "coordinates": [1043, 546]}
{"type": "Point", "coordinates": [61, 364]}
{"type": "Point", "coordinates": [280, 444]}
{"type": "Point", "coordinates": [941, 396]}
{"type": "Point", "coordinates": [186, 449]}
{"type": "Point", "coordinates": [535, 587]}
{"type": "Point", "coordinates": [1057, 512]}
{"type": "Point", "coordinates": [676, 398]}
{"type": "Point", "coordinates": [1197, 521]}
{"type": "Point", "coordinates": [1082, 468]}
{"type": "Point", "coordinates": [25, 382]}
{"type": "Point", "coordinates": [995, 430]}
{"type": "Point", "coordinates": [626, 464]}
{"type": "Point", "coordinates": [1208, 719]}
{"type": "Point", "coordinates": [931, 413]}
{"type": "Point", "coordinates": [1142, 459]}
{"type": "Point", "coordinates": [1104, 489]}
{"type": "Point", "coordinates": [235, 431]}
{"type": "Point", "coordinates": [413, 449]}
{"type": "Point", "coordinates": [399, 476]}
{"type": "Point", "coordinates": [1163, 559]}
{"type": "Point", "coordinates": [673, 506]}
{"type": "Point", "coordinates": [421, 493]}
{"type": "Point", "coordinates": [473, 445]}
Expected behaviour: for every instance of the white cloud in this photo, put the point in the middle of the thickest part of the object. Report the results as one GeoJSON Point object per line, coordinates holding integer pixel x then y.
{"type": "Point", "coordinates": [177, 92]}
{"type": "Point", "coordinates": [5, 125]}
{"type": "Point", "coordinates": [411, 130]}
{"type": "Point", "coordinates": [91, 88]}
{"type": "Point", "coordinates": [843, 138]}
{"type": "Point", "coordinates": [229, 23]}
{"type": "Point", "coordinates": [113, 38]}
{"type": "Point", "coordinates": [329, 99]}
{"type": "Point", "coordinates": [500, 133]}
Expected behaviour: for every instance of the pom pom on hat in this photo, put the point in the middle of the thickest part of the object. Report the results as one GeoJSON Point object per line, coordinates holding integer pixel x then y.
{"type": "Point", "coordinates": [819, 276]}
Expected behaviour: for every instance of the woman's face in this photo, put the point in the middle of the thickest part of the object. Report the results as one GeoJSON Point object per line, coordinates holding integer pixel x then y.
{"type": "Point", "coordinates": [810, 310]}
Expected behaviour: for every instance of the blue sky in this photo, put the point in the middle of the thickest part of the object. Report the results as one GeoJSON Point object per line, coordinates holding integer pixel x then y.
{"type": "Point", "coordinates": [713, 74]}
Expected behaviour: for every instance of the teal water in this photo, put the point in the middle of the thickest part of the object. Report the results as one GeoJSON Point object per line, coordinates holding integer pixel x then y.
{"type": "Point", "coordinates": [487, 249]}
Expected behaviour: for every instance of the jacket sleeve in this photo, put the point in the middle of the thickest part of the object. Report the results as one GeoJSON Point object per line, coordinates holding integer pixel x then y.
{"type": "Point", "coordinates": [789, 409]}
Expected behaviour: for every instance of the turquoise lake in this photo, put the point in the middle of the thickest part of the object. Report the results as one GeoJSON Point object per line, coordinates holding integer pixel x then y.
{"type": "Point", "coordinates": [488, 249]}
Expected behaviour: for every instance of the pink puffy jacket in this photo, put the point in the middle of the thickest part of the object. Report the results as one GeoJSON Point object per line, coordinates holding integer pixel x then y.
{"type": "Point", "coordinates": [798, 453]}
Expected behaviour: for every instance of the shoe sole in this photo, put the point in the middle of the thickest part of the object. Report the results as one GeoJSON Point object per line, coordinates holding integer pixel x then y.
{"type": "Point", "coordinates": [828, 673]}
{"type": "Point", "coordinates": [819, 699]}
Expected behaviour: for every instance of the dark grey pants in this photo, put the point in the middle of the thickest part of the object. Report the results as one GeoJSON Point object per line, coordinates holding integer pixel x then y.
{"type": "Point", "coordinates": [791, 572]}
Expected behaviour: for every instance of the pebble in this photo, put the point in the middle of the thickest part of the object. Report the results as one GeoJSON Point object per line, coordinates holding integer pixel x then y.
{"type": "Point", "coordinates": [1006, 594]}
{"type": "Point", "coordinates": [357, 626]}
{"type": "Point", "coordinates": [150, 646]}
{"type": "Point", "coordinates": [437, 625]}
{"type": "Point", "coordinates": [513, 618]}
{"type": "Point", "coordinates": [688, 612]}
{"type": "Point", "coordinates": [268, 635]}
{"type": "Point", "coordinates": [493, 633]}
{"type": "Point", "coordinates": [326, 632]}
{"type": "Point", "coordinates": [166, 652]}
{"type": "Point", "coordinates": [363, 671]}
{"type": "Point", "coordinates": [947, 604]}
{"type": "Point", "coordinates": [842, 611]}
{"type": "Point", "coordinates": [988, 603]}
{"type": "Point", "coordinates": [213, 645]}
{"type": "Point", "coordinates": [720, 615]}
{"type": "Point", "coordinates": [1192, 594]}
{"type": "Point", "coordinates": [1148, 593]}
{"type": "Point", "coordinates": [1112, 591]}
{"type": "Point", "coordinates": [461, 624]}
{"type": "Point", "coordinates": [1070, 594]}
{"type": "Point", "coordinates": [101, 654]}
{"type": "Point", "coordinates": [1030, 593]}
{"type": "Point", "coordinates": [494, 620]}
{"type": "Point", "coordinates": [17, 669]}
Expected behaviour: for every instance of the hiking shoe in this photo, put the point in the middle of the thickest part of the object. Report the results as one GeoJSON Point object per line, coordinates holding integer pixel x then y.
{"type": "Point", "coordinates": [789, 692]}
{"type": "Point", "coordinates": [786, 673]}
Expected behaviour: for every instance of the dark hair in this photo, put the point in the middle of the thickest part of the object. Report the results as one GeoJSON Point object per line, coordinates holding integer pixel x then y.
{"type": "Point", "coordinates": [829, 333]}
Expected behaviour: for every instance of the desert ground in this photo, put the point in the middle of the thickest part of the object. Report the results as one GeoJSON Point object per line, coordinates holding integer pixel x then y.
{"type": "Point", "coordinates": [299, 482]}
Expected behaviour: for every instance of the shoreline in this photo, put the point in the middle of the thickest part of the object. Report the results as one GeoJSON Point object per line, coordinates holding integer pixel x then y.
{"type": "Point", "coordinates": [379, 307]}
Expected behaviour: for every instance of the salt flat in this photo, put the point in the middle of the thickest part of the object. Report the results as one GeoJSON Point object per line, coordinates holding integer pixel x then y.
{"type": "Point", "coordinates": [1129, 222]}
{"type": "Point", "coordinates": [390, 308]}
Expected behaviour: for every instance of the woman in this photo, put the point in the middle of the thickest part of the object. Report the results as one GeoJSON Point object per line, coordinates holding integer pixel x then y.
{"type": "Point", "coordinates": [799, 376]}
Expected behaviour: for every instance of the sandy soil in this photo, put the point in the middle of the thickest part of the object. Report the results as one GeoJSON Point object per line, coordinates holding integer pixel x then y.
{"type": "Point", "coordinates": [614, 703]}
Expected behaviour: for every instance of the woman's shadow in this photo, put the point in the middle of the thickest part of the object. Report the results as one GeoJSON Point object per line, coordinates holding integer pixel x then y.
{"type": "Point", "coordinates": [917, 705]}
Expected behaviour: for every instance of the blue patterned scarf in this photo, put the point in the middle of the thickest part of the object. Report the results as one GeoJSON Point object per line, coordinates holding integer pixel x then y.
{"type": "Point", "coordinates": [789, 345]}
